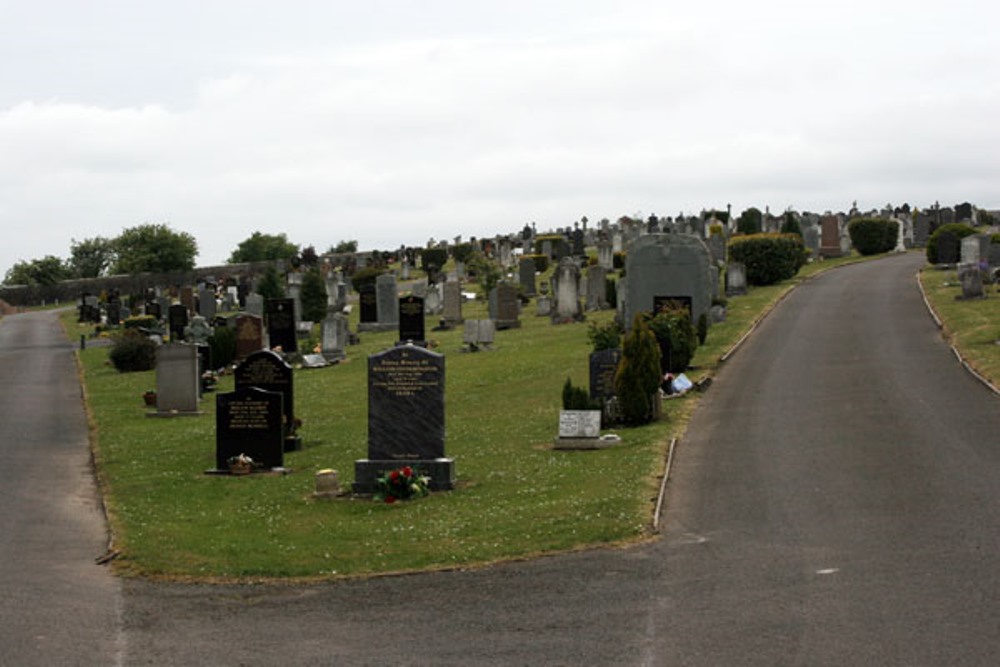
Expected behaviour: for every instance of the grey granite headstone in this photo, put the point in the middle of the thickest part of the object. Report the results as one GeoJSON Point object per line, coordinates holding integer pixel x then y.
{"type": "Point", "coordinates": [971, 279]}
{"type": "Point", "coordinates": [505, 306]}
{"type": "Point", "coordinates": [597, 288]}
{"type": "Point", "coordinates": [334, 336]}
{"type": "Point", "coordinates": [406, 421]}
{"type": "Point", "coordinates": [566, 290]}
{"type": "Point", "coordinates": [526, 275]}
{"type": "Point", "coordinates": [736, 279]}
{"type": "Point", "coordinates": [667, 266]}
{"type": "Point", "coordinates": [206, 303]}
{"type": "Point", "coordinates": [452, 302]}
{"type": "Point", "coordinates": [177, 379]}
{"type": "Point", "coordinates": [255, 304]}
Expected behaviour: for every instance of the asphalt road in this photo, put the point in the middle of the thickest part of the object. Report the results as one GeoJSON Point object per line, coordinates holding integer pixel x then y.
{"type": "Point", "coordinates": [833, 503]}
{"type": "Point", "coordinates": [56, 606]}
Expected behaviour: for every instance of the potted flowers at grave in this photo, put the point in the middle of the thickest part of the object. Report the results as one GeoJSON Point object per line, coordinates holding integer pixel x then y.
{"type": "Point", "coordinates": [241, 464]}
{"type": "Point", "coordinates": [401, 484]}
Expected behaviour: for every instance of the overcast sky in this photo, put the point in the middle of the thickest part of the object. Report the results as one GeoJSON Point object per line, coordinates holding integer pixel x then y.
{"type": "Point", "coordinates": [393, 122]}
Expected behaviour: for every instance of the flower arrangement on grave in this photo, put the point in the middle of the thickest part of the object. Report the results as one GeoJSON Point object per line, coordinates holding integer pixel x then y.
{"type": "Point", "coordinates": [241, 464]}
{"type": "Point", "coordinates": [401, 484]}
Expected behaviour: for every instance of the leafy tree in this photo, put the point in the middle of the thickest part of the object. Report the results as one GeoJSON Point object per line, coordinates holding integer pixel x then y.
{"type": "Point", "coordinates": [676, 336]}
{"type": "Point", "coordinates": [46, 271]}
{"type": "Point", "coordinates": [155, 248]}
{"type": "Point", "coordinates": [749, 221]}
{"type": "Point", "coordinates": [487, 272]}
{"type": "Point", "coordinates": [264, 247]}
{"type": "Point", "coordinates": [91, 258]}
{"type": "Point", "coordinates": [308, 257]}
{"type": "Point", "coordinates": [790, 224]}
{"type": "Point", "coordinates": [638, 377]}
{"type": "Point", "coordinates": [270, 286]}
{"type": "Point", "coordinates": [462, 251]}
{"type": "Point", "coordinates": [344, 247]}
{"type": "Point", "coordinates": [313, 296]}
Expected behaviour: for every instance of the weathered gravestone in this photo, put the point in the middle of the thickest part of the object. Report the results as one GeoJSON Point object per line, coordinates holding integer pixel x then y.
{"type": "Point", "coordinates": [249, 335]}
{"type": "Point", "coordinates": [387, 301]}
{"type": "Point", "coordinates": [178, 381]}
{"type": "Point", "coordinates": [477, 334]}
{"type": "Point", "coordinates": [597, 288]}
{"type": "Point", "coordinates": [406, 425]}
{"type": "Point", "coordinates": [206, 303]}
{"type": "Point", "coordinates": [249, 421]}
{"type": "Point", "coordinates": [255, 304]}
{"type": "Point", "coordinates": [452, 303]}
{"type": "Point", "coordinates": [668, 267]}
{"type": "Point", "coordinates": [971, 279]}
{"type": "Point", "coordinates": [605, 256]}
{"type": "Point", "coordinates": [526, 275]}
{"type": "Point", "coordinates": [281, 325]}
{"type": "Point", "coordinates": [830, 237]}
{"type": "Point", "coordinates": [432, 303]}
{"type": "Point", "coordinates": [566, 290]}
{"type": "Point", "coordinates": [177, 318]}
{"type": "Point", "coordinates": [948, 248]}
{"type": "Point", "coordinates": [736, 279]}
{"type": "Point", "coordinates": [334, 336]}
{"type": "Point", "coordinates": [504, 306]}
{"type": "Point", "coordinates": [411, 320]}
{"type": "Point", "coordinates": [266, 370]}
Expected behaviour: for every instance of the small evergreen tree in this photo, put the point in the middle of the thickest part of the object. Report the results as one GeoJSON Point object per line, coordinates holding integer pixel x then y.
{"type": "Point", "coordinates": [638, 377]}
{"type": "Point", "coordinates": [313, 296]}
{"type": "Point", "coordinates": [270, 284]}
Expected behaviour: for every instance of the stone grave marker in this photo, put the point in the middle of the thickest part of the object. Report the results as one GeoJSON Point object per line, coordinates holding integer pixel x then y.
{"type": "Point", "coordinates": [948, 248]}
{"type": "Point", "coordinates": [668, 266]}
{"type": "Point", "coordinates": [736, 279]}
{"type": "Point", "coordinates": [411, 320]}
{"type": "Point", "coordinates": [368, 304]}
{"type": "Point", "coordinates": [153, 310]}
{"type": "Point", "coordinates": [478, 334]}
{"type": "Point", "coordinates": [387, 301]}
{"type": "Point", "coordinates": [452, 303]}
{"type": "Point", "coordinates": [597, 288]}
{"type": "Point", "coordinates": [505, 308]}
{"type": "Point", "coordinates": [432, 302]}
{"type": "Point", "coordinates": [971, 279]}
{"type": "Point", "coordinates": [178, 382]}
{"type": "Point", "coordinates": [266, 370]}
{"type": "Point", "coordinates": [406, 422]}
{"type": "Point", "coordinates": [249, 335]}
{"type": "Point", "coordinates": [334, 336]}
{"type": "Point", "coordinates": [249, 421]}
{"type": "Point", "coordinates": [177, 318]}
{"type": "Point", "coordinates": [830, 237]}
{"type": "Point", "coordinates": [255, 304]}
{"type": "Point", "coordinates": [566, 290]}
{"type": "Point", "coordinates": [603, 366]}
{"type": "Point", "coordinates": [605, 256]}
{"type": "Point", "coordinates": [281, 325]}
{"type": "Point", "coordinates": [206, 303]}
{"type": "Point", "coordinates": [526, 275]}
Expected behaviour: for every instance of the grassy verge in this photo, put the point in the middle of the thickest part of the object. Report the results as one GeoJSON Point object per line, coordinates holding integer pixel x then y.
{"type": "Point", "coordinates": [516, 496]}
{"type": "Point", "coordinates": [972, 326]}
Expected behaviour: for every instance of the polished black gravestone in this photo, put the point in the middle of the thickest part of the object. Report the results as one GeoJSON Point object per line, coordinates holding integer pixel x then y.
{"type": "Point", "coordinates": [603, 366]}
{"type": "Point", "coordinates": [281, 325]}
{"type": "Point", "coordinates": [177, 317]}
{"type": "Point", "coordinates": [266, 370]}
{"type": "Point", "coordinates": [405, 418]}
{"type": "Point", "coordinates": [249, 421]}
{"type": "Point", "coordinates": [411, 320]}
{"type": "Point", "coordinates": [368, 303]}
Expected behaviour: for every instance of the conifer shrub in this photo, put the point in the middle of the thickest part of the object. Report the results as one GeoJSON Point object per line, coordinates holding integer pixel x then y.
{"type": "Point", "coordinates": [223, 344]}
{"type": "Point", "coordinates": [960, 230]}
{"type": "Point", "coordinates": [871, 236]}
{"type": "Point", "coordinates": [577, 398]}
{"type": "Point", "coordinates": [676, 337]}
{"type": "Point", "coordinates": [132, 352]}
{"type": "Point", "coordinates": [768, 258]}
{"type": "Point", "coordinates": [637, 380]}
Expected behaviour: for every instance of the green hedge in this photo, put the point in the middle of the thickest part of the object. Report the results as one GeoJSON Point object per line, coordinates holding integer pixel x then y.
{"type": "Point", "coordinates": [871, 236]}
{"type": "Point", "coordinates": [133, 352]}
{"type": "Point", "coordinates": [541, 262]}
{"type": "Point", "coordinates": [960, 231]}
{"type": "Point", "coordinates": [768, 258]}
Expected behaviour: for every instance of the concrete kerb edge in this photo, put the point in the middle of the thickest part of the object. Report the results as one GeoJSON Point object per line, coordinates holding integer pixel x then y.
{"type": "Point", "coordinates": [947, 336]}
{"type": "Point", "coordinates": [663, 486]}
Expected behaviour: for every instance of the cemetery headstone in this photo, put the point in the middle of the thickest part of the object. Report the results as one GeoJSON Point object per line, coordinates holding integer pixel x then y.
{"type": "Point", "coordinates": [971, 279]}
{"type": "Point", "coordinates": [255, 304]}
{"type": "Point", "coordinates": [478, 334]}
{"type": "Point", "coordinates": [736, 279]}
{"type": "Point", "coordinates": [368, 304]}
{"type": "Point", "coordinates": [830, 237]}
{"type": "Point", "coordinates": [153, 310]}
{"type": "Point", "coordinates": [566, 290]}
{"type": "Point", "coordinates": [948, 248]}
{"type": "Point", "coordinates": [249, 335]}
{"type": "Point", "coordinates": [334, 336]}
{"type": "Point", "coordinates": [411, 320]}
{"type": "Point", "coordinates": [406, 422]}
{"type": "Point", "coordinates": [668, 266]}
{"type": "Point", "coordinates": [206, 303]}
{"type": "Point", "coordinates": [266, 370]}
{"type": "Point", "coordinates": [526, 275]}
{"type": "Point", "coordinates": [281, 325]}
{"type": "Point", "coordinates": [452, 303]}
{"type": "Point", "coordinates": [177, 380]}
{"type": "Point", "coordinates": [432, 302]}
{"type": "Point", "coordinates": [177, 317]}
{"type": "Point", "coordinates": [507, 308]}
{"type": "Point", "coordinates": [387, 301]}
{"type": "Point", "coordinates": [603, 366]}
{"type": "Point", "coordinates": [597, 288]}
{"type": "Point", "coordinates": [605, 255]}
{"type": "Point", "coordinates": [187, 298]}
{"type": "Point", "coordinates": [249, 421]}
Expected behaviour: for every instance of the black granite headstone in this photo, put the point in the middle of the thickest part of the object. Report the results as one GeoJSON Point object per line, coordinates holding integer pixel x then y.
{"type": "Point", "coordinates": [603, 366]}
{"type": "Point", "coordinates": [177, 316]}
{"type": "Point", "coordinates": [266, 370]}
{"type": "Point", "coordinates": [368, 303]}
{"type": "Point", "coordinates": [406, 404]}
{"type": "Point", "coordinates": [281, 324]}
{"type": "Point", "coordinates": [949, 248]}
{"type": "Point", "coordinates": [249, 421]}
{"type": "Point", "coordinates": [411, 319]}
{"type": "Point", "coordinates": [153, 310]}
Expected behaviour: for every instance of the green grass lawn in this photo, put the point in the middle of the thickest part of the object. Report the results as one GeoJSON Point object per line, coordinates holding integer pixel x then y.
{"type": "Point", "coordinates": [972, 326]}
{"type": "Point", "coordinates": [516, 497]}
